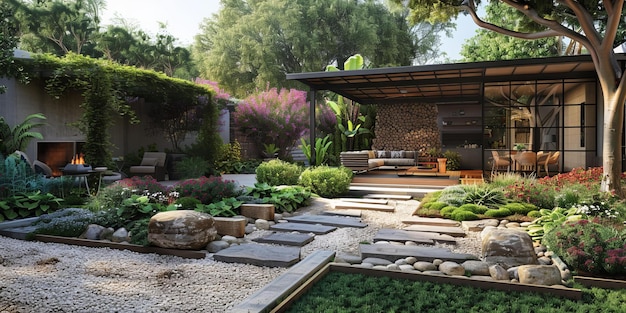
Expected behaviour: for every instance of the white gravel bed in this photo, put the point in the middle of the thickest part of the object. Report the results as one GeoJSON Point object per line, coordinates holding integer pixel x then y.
{"type": "Point", "coordinates": [50, 277]}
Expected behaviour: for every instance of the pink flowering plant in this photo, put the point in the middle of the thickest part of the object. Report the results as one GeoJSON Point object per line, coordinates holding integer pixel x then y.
{"type": "Point", "coordinates": [207, 189]}
{"type": "Point", "coordinates": [274, 117]}
{"type": "Point", "coordinates": [587, 246]}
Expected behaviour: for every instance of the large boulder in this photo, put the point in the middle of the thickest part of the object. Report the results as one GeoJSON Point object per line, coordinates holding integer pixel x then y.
{"type": "Point", "coordinates": [181, 229]}
{"type": "Point", "coordinates": [547, 275]}
{"type": "Point", "coordinates": [508, 248]}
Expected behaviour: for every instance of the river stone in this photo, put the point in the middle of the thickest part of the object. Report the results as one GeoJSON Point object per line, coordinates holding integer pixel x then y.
{"type": "Point", "coordinates": [377, 261]}
{"type": "Point", "coordinates": [262, 224]}
{"type": "Point", "coordinates": [393, 267]}
{"type": "Point", "coordinates": [451, 268]}
{"type": "Point", "coordinates": [406, 268]}
{"type": "Point", "coordinates": [181, 229]}
{"type": "Point", "coordinates": [424, 266]}
{"type": "Point", "coordinates": [120, 235]}
{"type": "Point", "coordinates": [107, 233]}
{"type": "Point", "coordinates": [508, 248]}
{"type": "Point", "coordinates": [92, 232]}
{"type": "Point", "coordinates": [498, 272]}
{"type": "Point", "coordinates": [544, 260]}
{"type": "Point", "coordinates": [546, 275]}
{"type": "Point", "coordinates": [410, 260]}
{"type": "Point", "coordinates": [476, 267]}
{"type": "Point", "coordinates": [217, 245]}
{"type": "Point", "coordinates": [230, 239]}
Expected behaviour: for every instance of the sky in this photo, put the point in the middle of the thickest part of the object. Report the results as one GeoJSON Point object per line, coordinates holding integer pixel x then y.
{"type": "Point", "coordinates": [183, 18]}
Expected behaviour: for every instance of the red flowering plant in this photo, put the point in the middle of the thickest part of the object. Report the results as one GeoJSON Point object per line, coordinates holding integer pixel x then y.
{"type": "Point", "coordinates": [531, 191]}
{"type": "Point", "coordinates": [587, 246]}
{"type": "Point", "coordinates": [275, 117]}
{"type": "Point", "coordinates": [207, 190]}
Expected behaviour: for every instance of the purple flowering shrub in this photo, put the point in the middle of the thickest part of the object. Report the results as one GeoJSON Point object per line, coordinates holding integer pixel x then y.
{"type": "Point", "coordinates": [275, 117]}
{"type": "Point", "coordinates": [588, 246]}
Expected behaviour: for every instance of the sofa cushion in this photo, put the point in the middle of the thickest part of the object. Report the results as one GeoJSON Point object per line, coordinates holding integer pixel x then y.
{"type": "Point", "coordinates": [397, 154]}
{"type": "Point", "coordinates": [399, 162]}
{"type": "Point", "coordinates": [371, 154]}
{"type": "Point", "coordinates": [409, 154]}
{"type": "Point", "coordinates": [382, 154]}
{"type": "Point", "coordinates": [149, 162]}
{"type": "Point", "coordinates": [373, 163]}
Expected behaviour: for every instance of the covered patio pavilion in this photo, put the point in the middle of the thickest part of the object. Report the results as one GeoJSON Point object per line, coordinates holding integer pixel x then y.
{"type": "Point", "coordinates": [545, 105]}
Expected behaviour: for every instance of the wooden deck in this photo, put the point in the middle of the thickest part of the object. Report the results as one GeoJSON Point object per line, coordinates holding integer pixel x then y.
{"type": "Point", "coordinates": [426, 179]}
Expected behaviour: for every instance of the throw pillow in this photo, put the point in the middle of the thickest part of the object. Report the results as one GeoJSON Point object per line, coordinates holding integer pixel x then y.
{"type": "Point", "coordinates": [381, 154]}
{"type": "Point", "coordinates": [371, 154]}
{"type": "Point", "coordinates": [149, 161]}
{"type": "Point", "coordinates": [396, 154]}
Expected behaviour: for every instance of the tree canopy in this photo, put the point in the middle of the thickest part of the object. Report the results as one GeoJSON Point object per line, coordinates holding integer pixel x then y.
{"type": "Point", "coordinates": [8, 42]}
{"type": "Point", "coordinates": [287, 36]}
{"type": "Point", "coordinates": [596, 25]}
{"type": "Point", "coordinates": [490, 46]}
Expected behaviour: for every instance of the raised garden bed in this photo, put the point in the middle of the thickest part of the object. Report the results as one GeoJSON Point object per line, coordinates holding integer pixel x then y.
{"type": "Point", "coordinates": [569, 293]}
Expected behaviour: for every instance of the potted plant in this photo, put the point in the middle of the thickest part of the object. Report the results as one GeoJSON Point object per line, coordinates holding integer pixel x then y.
{"type": "Point", "coordinates": [520, 147]}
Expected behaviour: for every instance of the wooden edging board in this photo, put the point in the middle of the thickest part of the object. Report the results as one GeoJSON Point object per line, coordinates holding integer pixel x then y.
{"type": "Point", "coordinates": [600, 282]}
{"type": "Point", "coordinates": [570, 293]}
{"type": "Point", "coordinates": [189, 254]}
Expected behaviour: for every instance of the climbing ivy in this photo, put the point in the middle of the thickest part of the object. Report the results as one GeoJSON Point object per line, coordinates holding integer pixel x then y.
{"type": "Point", "coordinates": [108, 88]}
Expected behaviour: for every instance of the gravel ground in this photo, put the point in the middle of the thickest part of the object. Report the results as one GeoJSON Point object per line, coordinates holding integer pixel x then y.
{"type": "Point", "coordinates": [49, 277]}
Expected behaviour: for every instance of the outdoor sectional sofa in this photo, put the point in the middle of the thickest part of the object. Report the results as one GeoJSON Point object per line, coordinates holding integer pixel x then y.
{"type": "Point", "coordinates": [367, 160]}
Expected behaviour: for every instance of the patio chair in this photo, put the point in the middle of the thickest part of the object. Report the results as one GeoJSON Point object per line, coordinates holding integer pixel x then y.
{"type": "Point", "coordinates": [553, 159]}
{"type": "Point", "coordinates": [153, 164]}
{"type": "Point", "coordinates": [498, 162]}
{"type": "Point", "coordinates": [42, 168]}
{"type": "Point", "coordinates": [526, 161]}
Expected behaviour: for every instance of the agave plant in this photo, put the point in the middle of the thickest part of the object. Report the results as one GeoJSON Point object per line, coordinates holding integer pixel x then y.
{"type": "Point", "coordinates": [18, 137]}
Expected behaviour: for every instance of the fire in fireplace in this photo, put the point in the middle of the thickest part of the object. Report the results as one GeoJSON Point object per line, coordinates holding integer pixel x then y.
{"type": "Point", "coordinates": [58, 154]}
{"type": "Point", "coordinates": [77, 165]}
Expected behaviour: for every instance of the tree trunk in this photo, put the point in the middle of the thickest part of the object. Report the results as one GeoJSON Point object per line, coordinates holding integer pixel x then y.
{"type": "Point", "coordinates": [612, 142]}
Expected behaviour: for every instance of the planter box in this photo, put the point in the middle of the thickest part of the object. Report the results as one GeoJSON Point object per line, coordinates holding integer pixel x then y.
{"type": "Point", "coordinates": [256, 211]}
{"type": "Point", "coordinates": [570, 293]}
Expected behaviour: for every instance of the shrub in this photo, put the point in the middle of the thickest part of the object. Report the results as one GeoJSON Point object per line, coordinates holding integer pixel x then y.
{"type": "Point", "coordinates": [70, 222]}
{"type": "Point", "coordinates": [278, 172]}
{"type": "Point", "coordinates": [534, 214]}
{"type": "Point", "coordinates": [484, 195]}
{"type": "Point", "coordinates": [278, 117]}
{"type": "Point", "coordinates": [327, 182]}
{"type": "Point", "coordinates": [501, 212]}
{"type": "Point", "coordinates": [192, 167]}
{"type": "Point", "coordinates": [463, 215]}
{"type": "Point", "coordinates": [519, 208]}
{"type": "Point", "coordinates": [588, 246]}
{"type": "Point", "coordinates": [227, 207]}
{"type": "Point", "coordinates": [474, 208]}
{"type": "Point", "coordinates": [453, 195]}
{"type": "Point", "coordinates": [187, 203]}
{"type": "Point", "coordinates": [532, 191]}
{"type": "Point", "coordinates": [287, 199]}
{"type": "Point", "coordinates": [453, 161]}
{"type": "Point", "coordinates": [207, 190]}
{"type": "Point", "coordinates": [139, 232]}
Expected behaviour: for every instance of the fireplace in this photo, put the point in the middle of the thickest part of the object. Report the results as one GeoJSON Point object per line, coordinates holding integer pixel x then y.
{"type": "Point", "coordinates": [58, 154]}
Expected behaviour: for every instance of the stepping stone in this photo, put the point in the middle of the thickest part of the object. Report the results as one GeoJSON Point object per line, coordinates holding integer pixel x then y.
{"type": "Point", "coordinates": [287, 239]}
{"type": "Point", "coordinates": [479, 225]}
{"type": "Point", "coordinates": [261, 255]}
{"type": "Point", "coordinates": [338, 221]}
{"type": "Point", "coordinates": [347, 212]}
{"type": "Point", "coordinates": [391, 197]}
{"type": "Point", "coordinates": [452, 231]}
{"type": "Point", "coordinates": [303, 228]}
{"type": "Point", "coordinates": [418, 237]}
{"type": "Point", "coordinates": [278, 289]}
{"type": "Point", "coordinates": [363, 206]}
{"type": "Point", "coordinates": [394, 252]}
{"type": "Point", "coordinates": [432, 221]}
{"type": "Point", "coordinates": [361, 200]}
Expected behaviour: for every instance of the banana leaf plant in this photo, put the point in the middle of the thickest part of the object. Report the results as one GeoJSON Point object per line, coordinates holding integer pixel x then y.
{"type": "Point", "coordinates": [349, 118]}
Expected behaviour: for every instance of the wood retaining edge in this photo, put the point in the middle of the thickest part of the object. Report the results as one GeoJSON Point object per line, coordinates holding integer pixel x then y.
{"type": "Point", "coordinates": [604, 283]}
{"type": "Point", "coordinates": [570, 293]}
{"type": "Point", "coordinates": [189, 254]}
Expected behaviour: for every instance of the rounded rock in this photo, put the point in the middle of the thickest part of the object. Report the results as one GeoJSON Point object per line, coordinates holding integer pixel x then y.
{"type": "Point", "coordinates": [411, 260]}
{"type": "Point", "coordinates": [215, 246]}
{"type": "Point", "coordinates": [262, 224]}
{"type": "Point", "coordinates": [424, 266]}
{"type": "Point", "coordinates": [393, 267]}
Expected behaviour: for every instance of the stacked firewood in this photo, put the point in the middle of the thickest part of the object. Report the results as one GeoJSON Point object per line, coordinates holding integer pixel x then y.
{"type": "Point", "coordinates": [407, 127]}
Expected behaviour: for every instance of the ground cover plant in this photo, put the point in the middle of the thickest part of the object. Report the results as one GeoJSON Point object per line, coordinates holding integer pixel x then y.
{"type": "Point", "coordinates": [340, 292]}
